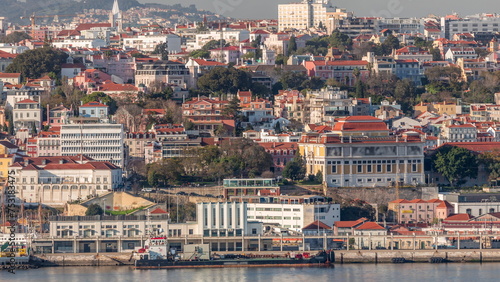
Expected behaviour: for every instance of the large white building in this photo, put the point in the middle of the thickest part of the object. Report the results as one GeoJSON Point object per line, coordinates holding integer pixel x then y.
{"type": "Point", "coordinates": [233, 36]}
{"type": "Point", "coordinates": [56, 180]}
{"type": "Point", "coordinates": [294, 216]}
{"type": "Point", "coordinates": [99, 141]}
{"type": "Point", "coordinates": [27, 114]}
{"type": "Point", "coordinates": [304, 15]}
{"type": "Point", "coordinates": [225, 220]}
{"type": "Point", "coordinates": [471, 24]}
{"type": "Point", "coordinates": [147, 43]}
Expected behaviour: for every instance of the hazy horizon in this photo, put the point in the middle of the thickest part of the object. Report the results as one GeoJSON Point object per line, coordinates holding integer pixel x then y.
{"type": "Point", "coordinates": [385, 8]}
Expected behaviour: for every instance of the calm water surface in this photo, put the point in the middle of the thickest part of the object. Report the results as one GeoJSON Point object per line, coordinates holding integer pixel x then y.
{"type": "Point", "coordinates": [422, 272]}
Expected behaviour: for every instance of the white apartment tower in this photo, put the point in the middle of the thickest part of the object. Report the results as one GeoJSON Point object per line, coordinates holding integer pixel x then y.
{"type": "Point", "coordinates": [304, 15]}
{"type": "Point", "coordinates": [99, 141]}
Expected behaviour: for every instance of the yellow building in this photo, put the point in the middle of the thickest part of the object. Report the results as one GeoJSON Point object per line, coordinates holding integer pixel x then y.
{"type": "Point", "coordinates": [361, 153]}
{"type": "Point", "coordinates": [439, 107]}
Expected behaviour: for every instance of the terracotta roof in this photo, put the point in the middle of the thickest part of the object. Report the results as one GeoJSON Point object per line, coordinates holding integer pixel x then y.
{"type": "Point", "coordinates": [27, 101]}
{"type": "Point", "coordinates": [9, 75]}
{"type": "Point", "coordinates": [93, 104]}
{"type": "Point", "coordinates": [459, 217]}
{"type": "Point", "coordinates": [400, 201]}
{"type": "Point", "coordinates": [370, 226]}
{"type": "Point", "coordinates": [316, 225]}
{"type": "Point", "coordinates": [158, 211]}
{"type": "Point", "coordinates": [445, 204]}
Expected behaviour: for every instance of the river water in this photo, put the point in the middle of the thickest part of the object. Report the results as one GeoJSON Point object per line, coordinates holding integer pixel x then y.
{"type": "Point", "coordinates": [422, 272]}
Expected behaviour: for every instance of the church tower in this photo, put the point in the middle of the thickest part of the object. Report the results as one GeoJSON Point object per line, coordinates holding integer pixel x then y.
{"type": "Point", "coordinates": [115, 17]}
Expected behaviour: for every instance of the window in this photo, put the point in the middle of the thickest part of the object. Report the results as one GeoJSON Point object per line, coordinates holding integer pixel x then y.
{"type": "Point", "coordinates": [334, 169]}
{"type": "Point", "coordinates": [389, 168]}
{"type": "Point", "coordinates": [360, 168]}
{"type": "Point", "coordinates": [468, 211]}
{"type": "Point", "coordinates": [369, 168]}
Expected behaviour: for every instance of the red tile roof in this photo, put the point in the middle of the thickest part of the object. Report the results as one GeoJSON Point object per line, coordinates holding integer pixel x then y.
{"type": "Point", "coordinates": [316, 225]}
{"type": "Point", "coordinates": [27, 101]}
{"type": "Point", "coordinates": [9, 75]}
{"type": "Point", "coordinates": [93, 104]}
{"type": "Point", "coordinates": [459, 217]}
{"type": "Point", "coordinates": [370, 226]}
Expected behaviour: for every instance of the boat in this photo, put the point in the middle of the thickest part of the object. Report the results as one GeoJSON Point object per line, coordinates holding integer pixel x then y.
{"type": "Point", "coordinates": [155, 255]}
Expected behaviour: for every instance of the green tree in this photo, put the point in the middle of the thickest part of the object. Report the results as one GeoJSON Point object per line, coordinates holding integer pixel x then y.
{"type": "Point", "coordinates": [15, 37]}
{"type": "Point", "coordinates": [340, 40]}
{"type": "Point", "coordinates": [213, 44]}
{"type": "Point", "coordinates": [456, 164]}
{"type": "Point", "coordinates": [94, 209]}
{"type": "Point", "coordinates": [103, 98]}
{"type": "Point", "coordinates": [313, 83]}
{"type": "Point", "coordinates": [200, 54]}
{"type": "Point", "coordinates": [292, 80]}
{"type": "Point", "coordinates": [162, 50]}
{"type": "Point", "coordinates": [292, 46]}
{"type": "Point", "coordinates": [224, 80]}
{"type": "Point", "coordinates": [405, 94]}
{"type": "Point", "coordinates": [296, 168]}
{"type": "Point", "coordinates": [37, 62]}
{"type": "Point", "coordinates": [436, 54]}
{"type": "Point", "coordinates": [391, 42]}
{"type": "Point", "coordinates": [281, 59]}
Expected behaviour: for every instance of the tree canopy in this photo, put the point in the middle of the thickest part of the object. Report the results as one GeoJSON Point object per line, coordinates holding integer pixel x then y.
{"type": "Point", "coordinates": [296, 168]}
{"type": "Point", "coordinates": [15, 37]}
{"type": "Point", "coordinates": [456, 164]}
{"type": "Point", "coordinates": [94, 209]}
{"type": "Point", "coordinates": [224, 80]}
{"type": "Point", "coordinates": [103, 98]}
{"type": "Point", "coordinates": [162, 50]}
{"type": "Point", "coordinates": [37, 62]}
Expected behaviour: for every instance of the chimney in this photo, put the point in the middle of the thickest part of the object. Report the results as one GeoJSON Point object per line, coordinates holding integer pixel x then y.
{"type": "Point", "coordinates": [61, 161]}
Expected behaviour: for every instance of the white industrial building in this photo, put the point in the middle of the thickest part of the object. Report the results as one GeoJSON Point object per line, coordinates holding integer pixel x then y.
{"type": "Point", "coordinates": [294, 216]}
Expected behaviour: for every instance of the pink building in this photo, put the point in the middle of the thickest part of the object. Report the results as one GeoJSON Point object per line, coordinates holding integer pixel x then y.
{"type": "Point", "coordinates": [282, 153]}
{"type": "Point", "coordinates": [419, 211]}
{"type": "Point", "coordinates": [121, 65]}
{"type": "Point", "coordinates": [90, 80]}
{"type": "Point", "coordinates": [341, 71]}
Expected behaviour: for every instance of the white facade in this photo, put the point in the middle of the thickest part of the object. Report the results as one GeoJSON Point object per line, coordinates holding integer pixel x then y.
{"type": "Point", "coordinates": [473, 24]}
{"type": "Point", "coordinates": [80, 43]}
{"type": "Point", "coordinates": [147, 43]}
{"type": "Point", "coordinates": [27, 114]}
{"type": "Point", "coordinates": [101, 142]}
{"type": "Point", "coordinates": [16, 95]}
{"type": "Point", "coordinates": [222, 219]}
{"type": "Point", "coordinates": [293, 216]}
{"type": "Point", "coordinates": [56, 180]}
{"type": "Point", "coordinates": [308, 13]}
{"type": "Point", "coordinates": [229, 35]}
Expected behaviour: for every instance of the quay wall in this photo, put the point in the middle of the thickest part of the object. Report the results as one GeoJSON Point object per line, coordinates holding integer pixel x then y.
{"type": "Point", "coordinates": [343, 256]}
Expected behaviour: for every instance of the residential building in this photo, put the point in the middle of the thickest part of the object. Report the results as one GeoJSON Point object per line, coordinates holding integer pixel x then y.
{"type": "Point", "coordinates": [419, 211]}
{"type": "Point", "coordinates": [135, 143]}
{"type": "Point", "coordinates": [48, 143]}
{"type": "Point", "coordinates": [99, 141]}
{"type": "Point", "coordinates": [206, 114]}
{"type": "Point", "coordinates": [15, 95]}
{"type": "Point", "coordinates": [328, 104]}
{"type": "Point", "coordinates": [147, 43]}
{"type": "Point", "coordinates": [57, 180]}
{"type": "Point", "coordinates": [121, 65]}
{"type": "Point", "coordinates": [359, 152]}
{"type": "Point", "coordinates": [167, 72]}
{"type": "Point", "coordinates": [27, 114]}
{"type": "Point", "coordinates": [282, 153]}
{"type": "Point", "coordinates": [290, 104]}
{"type": "Point", "coordinates": [459, 133]}
{"type": "Point", "coordinates": [342, 71]}
{"type": "Point", "coordinates": [304, 15]}
{"type": "Point", "coordinates": [451, 25]}
{"type": "Point", "coordinates": [94, 110]}
{"type": "Point", "coordinates": [12, 78]}
{"type": "Point", "coordinates": [58, 115]}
